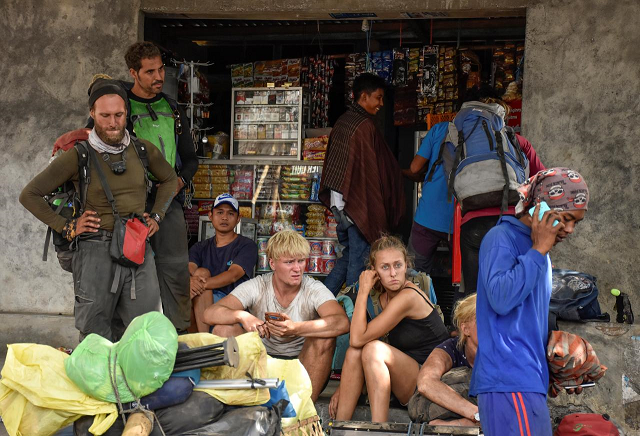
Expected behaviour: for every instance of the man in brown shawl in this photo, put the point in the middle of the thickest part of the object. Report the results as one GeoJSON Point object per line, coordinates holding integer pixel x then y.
{"type": "Point", "coordinates": [361, 182]}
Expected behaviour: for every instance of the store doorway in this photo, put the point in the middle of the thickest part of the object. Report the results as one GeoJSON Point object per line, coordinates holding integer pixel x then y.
{"type": "Point", "coordinates": [324, 56]}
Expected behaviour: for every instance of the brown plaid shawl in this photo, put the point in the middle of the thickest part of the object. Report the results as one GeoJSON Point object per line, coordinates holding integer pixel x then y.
{"type": "Point", "coordinates": [361, 167]}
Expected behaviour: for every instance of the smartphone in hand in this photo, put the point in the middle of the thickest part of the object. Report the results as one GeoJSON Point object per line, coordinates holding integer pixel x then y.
{"type": "Point", "coordinates": [543, 208]}
{"type": "Point", "coordinates": [274, 316]}
{"type": "Point", "coordinates": [583, 385]}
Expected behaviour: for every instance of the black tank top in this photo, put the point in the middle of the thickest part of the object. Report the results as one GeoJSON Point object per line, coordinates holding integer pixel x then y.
{"type": "Point", "coordinates": [418, 337]}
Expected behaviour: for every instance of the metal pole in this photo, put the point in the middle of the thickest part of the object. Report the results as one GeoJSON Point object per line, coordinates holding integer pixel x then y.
{"type": "Point", "coordinates": [238, 384]}
{"type": "Point", "coordinates": [191, 66]}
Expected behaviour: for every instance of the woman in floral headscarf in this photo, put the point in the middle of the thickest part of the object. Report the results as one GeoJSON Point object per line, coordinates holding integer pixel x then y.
{"type": "Point", "coordinates": [510, 375]}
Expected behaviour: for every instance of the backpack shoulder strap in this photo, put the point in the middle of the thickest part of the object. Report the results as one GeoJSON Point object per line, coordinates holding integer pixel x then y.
{"type": "Point", "coordinates": [513, 138]}
{"type": "Point", "coordinates": [503, 165]}
{"type": "Point", "coordinates": [172, 103]}
{"type": "Point", "coordinates": [141, 151]}
{"type": "Point", "coordinates": [84, 175]}
{"type": "Point", "coordinates": [176, 114]}
{"type": "Point", "coordinates": [438, 161]}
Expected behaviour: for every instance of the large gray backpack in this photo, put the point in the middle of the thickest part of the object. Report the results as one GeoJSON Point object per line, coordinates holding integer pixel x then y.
{"type": "Point", "coordinates": [482, 158]}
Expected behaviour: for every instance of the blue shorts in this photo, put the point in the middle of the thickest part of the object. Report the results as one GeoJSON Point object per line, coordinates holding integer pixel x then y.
{"type": "Point", "coordinates": [217, 296]}
{"type": "Point", "coordinates": [514, 413]}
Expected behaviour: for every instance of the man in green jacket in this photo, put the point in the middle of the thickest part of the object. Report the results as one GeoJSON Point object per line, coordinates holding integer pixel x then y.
{"type": "Point", "coordinates": [158, 119]}
{"type": "Point", "coordinates": [104, 289]}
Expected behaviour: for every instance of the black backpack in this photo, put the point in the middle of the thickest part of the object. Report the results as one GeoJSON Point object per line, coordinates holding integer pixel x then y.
{"type": "Point", "coordinates": [69, 203]}
{"type": "Point", "coordinates": [574, 297]}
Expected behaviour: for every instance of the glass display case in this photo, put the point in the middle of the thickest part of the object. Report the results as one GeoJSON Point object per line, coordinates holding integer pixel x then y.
{"type": "Point", "coordinates": [266, 122]}
{"type": "Point", "coordinates": [275, 195]}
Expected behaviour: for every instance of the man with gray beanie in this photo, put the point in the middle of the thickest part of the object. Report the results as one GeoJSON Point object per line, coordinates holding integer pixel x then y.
{"type": "Point", "coordinates": [103, 288]}
{"type": "Point", "coordinates": [510, 374]}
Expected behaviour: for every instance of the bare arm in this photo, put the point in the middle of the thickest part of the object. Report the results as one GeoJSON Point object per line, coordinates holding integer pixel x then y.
{"type": "Point", "coordinates": [232, 275]}
{"type": "Point", "coordinates": [192, 268]}
{"type": "Point", "coordinates": [229, 311]}
{"type": "Point", "coordinates": [431, 387]}
{"type": "Point", "coordinates": [417, 169]}
{"type": "Point", "coordinates": [397, 309]}
{"type": "Point", "coordinates": [333, 322]}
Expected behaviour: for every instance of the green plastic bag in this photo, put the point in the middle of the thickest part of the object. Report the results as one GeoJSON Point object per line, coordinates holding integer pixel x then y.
{"type": "Point", "coordinates": [145, 356]}
{"type": "Point", "coordinates": [88, 367]}
{"type": "Point", "coordinates": [147, 352]}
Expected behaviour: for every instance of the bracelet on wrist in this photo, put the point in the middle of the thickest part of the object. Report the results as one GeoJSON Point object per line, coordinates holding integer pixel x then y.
{"type": "Point", "coordinates": [69, 229]}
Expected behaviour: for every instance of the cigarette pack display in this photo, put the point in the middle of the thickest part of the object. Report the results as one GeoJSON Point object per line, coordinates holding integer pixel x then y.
{"type": "Point", "coordinates": [262, 131]}
{"type": "Point", "coordinates": [277, 131]}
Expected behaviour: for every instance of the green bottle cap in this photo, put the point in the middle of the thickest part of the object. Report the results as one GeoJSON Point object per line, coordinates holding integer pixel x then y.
{"type": "Point", "coordinates": [615, 292]}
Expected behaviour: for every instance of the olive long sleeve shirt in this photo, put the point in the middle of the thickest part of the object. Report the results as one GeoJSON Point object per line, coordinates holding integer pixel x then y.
{"type": "Point", "coordinates": [129, 188]}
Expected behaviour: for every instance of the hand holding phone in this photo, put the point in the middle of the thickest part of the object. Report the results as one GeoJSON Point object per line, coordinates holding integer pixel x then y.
{"type": "Point", "coordinates": [543, 208]}
{"type": "Point", "coordinates": [583, 385]}
{"type": "Point", "coordinates": [273, 316]}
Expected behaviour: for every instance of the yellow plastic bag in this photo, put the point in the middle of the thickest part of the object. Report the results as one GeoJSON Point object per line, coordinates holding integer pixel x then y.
{"type": "Point", "coordinates": [298, 386]}
{"type": "Point", "coordinates": [38, 399]}
{"type": "Point", "coordinates": [253, 360]}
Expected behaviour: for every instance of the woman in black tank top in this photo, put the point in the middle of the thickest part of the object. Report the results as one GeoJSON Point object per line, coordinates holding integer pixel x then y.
{"type": "Point", "coordinates": [408, 321]}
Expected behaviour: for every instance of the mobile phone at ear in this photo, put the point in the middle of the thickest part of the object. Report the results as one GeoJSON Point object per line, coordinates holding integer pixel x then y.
{"type": "Point", "coordinates": [543, 208]}
{"type": "Point", "coordinates": [583, 385]}
{"type": "Point", "coordinates": [274, 316]}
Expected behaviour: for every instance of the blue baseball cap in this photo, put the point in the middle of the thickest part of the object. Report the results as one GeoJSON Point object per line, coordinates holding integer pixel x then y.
{"type": "Point", "coordinates": [226, 199]}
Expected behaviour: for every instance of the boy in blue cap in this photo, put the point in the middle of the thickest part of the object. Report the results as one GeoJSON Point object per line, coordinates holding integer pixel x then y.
{"type": "Point", "coordinates": [219, 264]}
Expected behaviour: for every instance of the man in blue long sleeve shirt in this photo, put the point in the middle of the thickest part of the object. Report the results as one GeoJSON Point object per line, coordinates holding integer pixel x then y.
{"type": "Point", "coordinates": [510, 375]}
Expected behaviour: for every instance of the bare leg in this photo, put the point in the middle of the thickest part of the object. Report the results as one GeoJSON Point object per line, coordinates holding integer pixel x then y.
{"type": "Point", "coordinates": [227, 331]}
{"type": "Point", "coordinates": [350, 384]}
{"type": "Point", "coordinates": [462, 422]}
{"type": "Point", "coordinates": [202, 301]}
{"type": "Point", "coordinates": [387, 369]}
{"type": "Point", "coordinates": [316, 357]}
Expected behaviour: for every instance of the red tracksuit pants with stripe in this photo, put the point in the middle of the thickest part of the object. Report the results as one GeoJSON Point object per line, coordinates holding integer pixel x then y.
{"type": "Point", "coordinates": [514, 414]}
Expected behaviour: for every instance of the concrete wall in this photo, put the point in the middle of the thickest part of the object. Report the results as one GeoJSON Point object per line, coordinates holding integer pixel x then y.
{"type": "Point", "coordinates": [50, 50]}
{"type": "Point", "coordinates": [581, 110]}
{"type": "Point", "coordinates": [581, 92]}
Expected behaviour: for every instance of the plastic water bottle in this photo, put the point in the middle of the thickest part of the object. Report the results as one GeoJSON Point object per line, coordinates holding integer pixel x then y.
{"type": "Point", "coordinates": [622, 307]}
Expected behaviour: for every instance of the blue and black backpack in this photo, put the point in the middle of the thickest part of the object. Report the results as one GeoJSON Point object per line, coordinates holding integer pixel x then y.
{"type": "Point", "coordinates": [574, 297]}
{"type": "Point", "coordinates": [482, 158]}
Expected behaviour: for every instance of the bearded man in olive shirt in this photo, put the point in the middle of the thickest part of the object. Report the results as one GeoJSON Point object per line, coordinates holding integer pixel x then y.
{"type": "Point", "coordinates": [103, 288]}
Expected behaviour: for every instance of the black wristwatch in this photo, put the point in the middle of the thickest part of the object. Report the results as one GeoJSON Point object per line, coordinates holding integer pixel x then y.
{"type": "Point", "coordinates": [156, 217]}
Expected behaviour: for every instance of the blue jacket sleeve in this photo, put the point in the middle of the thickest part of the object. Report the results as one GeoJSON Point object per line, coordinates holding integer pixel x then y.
{"type": "Point", "coordinates": [508, 279]}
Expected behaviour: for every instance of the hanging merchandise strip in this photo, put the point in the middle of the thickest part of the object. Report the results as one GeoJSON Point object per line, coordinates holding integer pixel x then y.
{"type": "Point", "coordinates": [196, 85]}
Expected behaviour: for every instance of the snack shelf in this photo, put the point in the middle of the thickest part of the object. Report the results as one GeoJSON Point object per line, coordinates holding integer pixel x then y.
{"type": "Point", "coordinates": [265, 122]}
{"type": "Point", "coordinates": [266, 140]}
{"type": "Point", "coordinates": [264, 271]}
{"type": "Point", "coordinates": [266, 104]}
{"type": "Point", "coordinates": [262, 163]}
{"type": "Point", "coordinates": [275, 191]}
{"type": "Point", "coordinates": [265, 201]}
